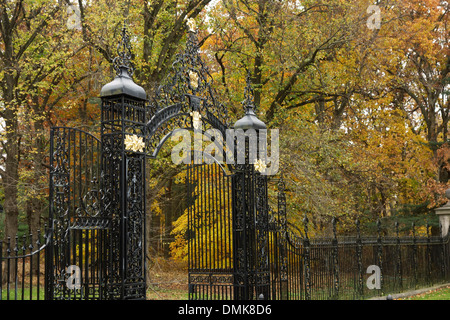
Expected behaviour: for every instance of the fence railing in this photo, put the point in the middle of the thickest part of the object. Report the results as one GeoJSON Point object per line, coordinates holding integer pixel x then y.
{"type": "Point", "coordinates": [355, 267]}
{"type": "Point", "coordinates": [22, 267]}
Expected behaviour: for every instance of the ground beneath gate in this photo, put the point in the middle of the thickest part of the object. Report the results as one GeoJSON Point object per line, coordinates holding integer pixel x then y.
{"type": "Point", "coordinates": [167, 280]}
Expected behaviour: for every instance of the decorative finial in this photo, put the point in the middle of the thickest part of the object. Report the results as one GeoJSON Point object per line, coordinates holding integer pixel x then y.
{"type": "Point", "coordinates": [248, 101]}
{"type": "Point", "coordinates": [305, 225]}
{"type": "Point", "coordinates": [124, 55]}
{"type": "Point", "coordinates": [249, 120]}
{"type": "Point", "coordinates": [334, 223]}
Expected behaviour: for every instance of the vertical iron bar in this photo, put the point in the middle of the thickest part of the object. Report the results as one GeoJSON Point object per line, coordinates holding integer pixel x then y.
{"type": "Point", "coordinates": [16, 266]}
{"type": "Point", "coordinates": [229, 219]}
{"type": "Point", "coordinates": [23, 265]}
{"type": "Point", "coordinates": [48, 263]}
{"type": "Point", "coordinates": [1, 269]}
{"type": "Point", "coordinates": [8, 273]}
{"type": "Point", "coordinates": [30, 247]}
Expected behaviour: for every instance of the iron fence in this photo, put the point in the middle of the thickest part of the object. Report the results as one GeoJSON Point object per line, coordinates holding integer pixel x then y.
{"type": "Point", "coordinates": [301, 268]}
{"type": "Point", "coordinates": [354, 267]}
{"type": "Point", "coordinates": [22, 267]}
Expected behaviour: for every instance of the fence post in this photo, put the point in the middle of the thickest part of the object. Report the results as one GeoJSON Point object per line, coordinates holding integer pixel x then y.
{"type": "Point", "coordinates": [442, 251]}
{"type": "Point", "coordinates": [359, 247]}
{"type": "Point", "coordinates": [380, 253]}
{"type": "Point", "coordinates": [335, 256]}
{"type": "Point", "coordinates": [414, 257]}
{"type": "Point", "coordinates": [306, 244]}
{"type": "Point", "coordinates": [283, 239]}
{"type": "Point", "coordinates": [399, 259]}
{"type": "Point", "coordinates": [429, 279]}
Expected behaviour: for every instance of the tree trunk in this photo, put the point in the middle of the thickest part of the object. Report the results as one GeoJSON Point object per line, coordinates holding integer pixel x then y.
{"type": "Point", "coordinates": [9, 181]}
{"type": "Point", "coordinates": [10, 176]}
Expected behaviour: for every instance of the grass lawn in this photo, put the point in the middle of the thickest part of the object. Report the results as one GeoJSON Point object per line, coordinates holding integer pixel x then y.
{"type": "Point", "coordinates": [438, 294]}
{"type": "Point", "coordinates": [26, 294]}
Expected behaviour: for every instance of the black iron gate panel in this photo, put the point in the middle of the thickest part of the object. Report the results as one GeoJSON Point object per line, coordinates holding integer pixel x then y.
{"type": "Point", "coordinates": [76, 252]}
{"type": "Point", "coordinates": [209, 235]}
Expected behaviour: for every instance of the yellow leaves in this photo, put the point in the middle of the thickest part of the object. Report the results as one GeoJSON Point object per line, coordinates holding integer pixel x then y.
{"type": "Point", "coordinates": [179, 248]}
{"type": "Point", "coordinates": [210, 225]}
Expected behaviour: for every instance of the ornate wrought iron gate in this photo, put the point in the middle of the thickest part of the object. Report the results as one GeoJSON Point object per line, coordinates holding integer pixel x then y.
{"type": "Point", "coordinates": [79, 227]}
{"type": "Point", "coordinates": [228, 233]}
{"type": "Point", "coordinates": [97, 192]}
{"type": "Point", "coordinates": [209, 235]}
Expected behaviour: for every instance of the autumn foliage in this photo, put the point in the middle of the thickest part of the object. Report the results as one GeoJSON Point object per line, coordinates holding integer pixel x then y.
{"type": "Point", "coordinates": [363, 111]}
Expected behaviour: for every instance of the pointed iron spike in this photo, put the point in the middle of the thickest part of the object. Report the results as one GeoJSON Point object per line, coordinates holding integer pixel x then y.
{"type": "Point", "coordinates": [378, 225]}
{"type": "Point", "coordinates": [248, 101]}
{"type": "Point", "coordinates": [305, 225]}
{"type": "Point", "coordinates": [124, 54]}
{"type": "Point", "coordinates": [24, 240]}
{"type": "Point", "coordinates": [305, 219]}
{"type": "Point", "coordinates": [8, 247]}
{"type": "Point", "coordinates": [38, 238]}
{"type": "Point", "coordinates": [16, 249]}
{"type": "Point", "coordinates": [30, 246]}
{"type": "Point", "coordinates": [333, 220]}
{"type": "Point", "coordinates": [358, 229]}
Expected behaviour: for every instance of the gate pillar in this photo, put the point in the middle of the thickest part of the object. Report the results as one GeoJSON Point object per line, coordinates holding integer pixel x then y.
{"type": "Point", "coordinates": [123, 118]}
{"type": "Point", "coordinates": [444, 215]}
{"type": "Point", "coordinates": [250, 216]}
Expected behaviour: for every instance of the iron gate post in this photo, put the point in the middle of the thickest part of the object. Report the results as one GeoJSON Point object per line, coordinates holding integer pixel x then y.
{"type": "Point", "coordinates": [123, 119]}
{"type": "Point", "coordinates": [282, 242]}
{"type": "Point", "coordinates": [251, 214]}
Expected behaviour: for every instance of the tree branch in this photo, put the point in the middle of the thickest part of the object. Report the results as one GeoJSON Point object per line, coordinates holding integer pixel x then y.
{"type": "Point", "coordinates": [38, 30]}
